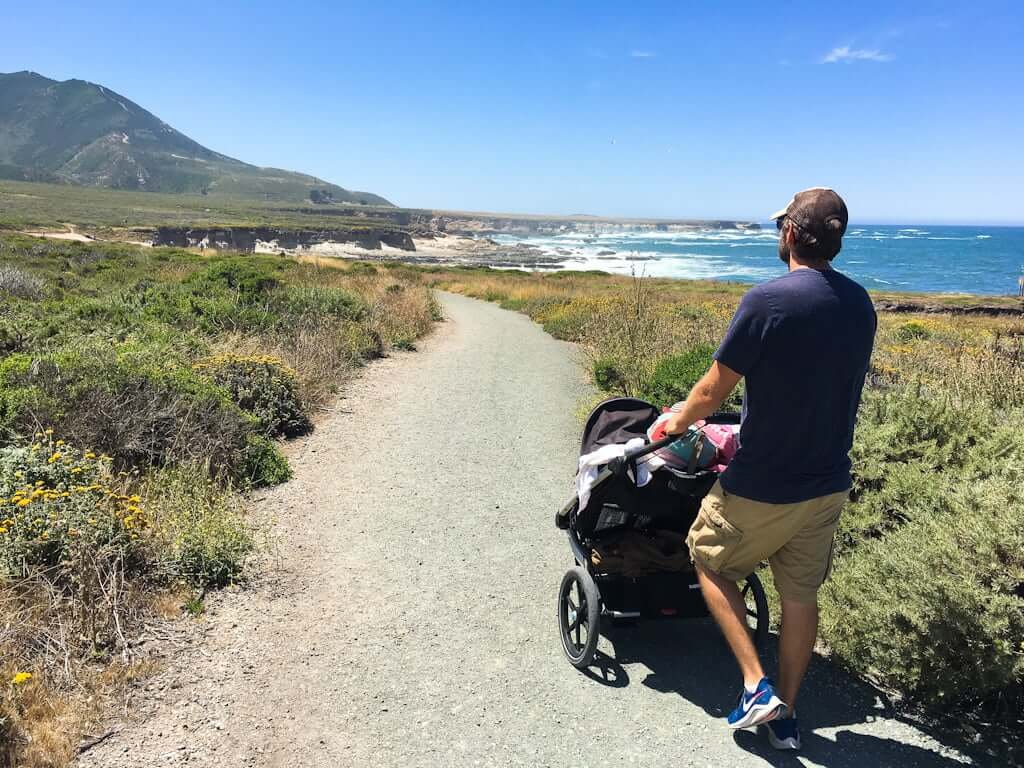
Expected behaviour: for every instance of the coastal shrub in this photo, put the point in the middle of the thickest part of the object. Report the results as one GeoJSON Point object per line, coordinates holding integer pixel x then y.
{"type": "Point", "coordinates": [674, 377]}
{"type": "Point", "coordinates": [98, 343]}
{"type": "Point", "coordinates": [60, 504]}
{"type": "Point", "coordinates": [912, 331]}
{"type": "Point", "coordinates": [263, 464]}
{"type": "Point", "coordinates": [607, 375]}
{"type": "Point", "coordinates": [262, 386]}
{"type": "Point", "coordinates": [566, 320]}
{"type": "Point", "coordinates": [20, 284]}
{"type": "Point", "coordinates": [935, 609]}
{"type": "Point", "coordinates": [903, 440]}
{"type": "Point", "coordinates": [318, 301]}
{"type": "Point", "coordinates": [200, 535]}
{"type": "Point", "coordinates": [126, 405]}
{"type": "Point", "coordinates": [250, 277]}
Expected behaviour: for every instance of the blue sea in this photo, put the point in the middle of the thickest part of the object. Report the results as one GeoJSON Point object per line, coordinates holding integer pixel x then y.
{"type": "Point", "coordinates": [932, 259]}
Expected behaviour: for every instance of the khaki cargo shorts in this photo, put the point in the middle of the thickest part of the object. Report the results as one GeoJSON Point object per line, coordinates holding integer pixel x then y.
{"type": "Point", "coordinates": [732, 534]}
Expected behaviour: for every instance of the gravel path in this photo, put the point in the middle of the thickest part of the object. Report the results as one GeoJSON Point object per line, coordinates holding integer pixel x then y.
{"type": "Point", "coordinates": [408, 619]}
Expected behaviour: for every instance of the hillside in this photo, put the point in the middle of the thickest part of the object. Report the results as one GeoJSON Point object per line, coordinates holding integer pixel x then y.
{"type": "Point", "coordinates": [82, 133]}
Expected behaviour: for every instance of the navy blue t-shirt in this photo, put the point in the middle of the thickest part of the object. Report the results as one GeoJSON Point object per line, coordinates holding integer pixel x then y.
{"type": "Point", "coordinates": [803, 343]}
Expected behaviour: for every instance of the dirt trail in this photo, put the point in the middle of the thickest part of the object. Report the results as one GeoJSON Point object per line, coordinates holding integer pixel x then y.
{"type": "Point", "coordinates": [409, 620]}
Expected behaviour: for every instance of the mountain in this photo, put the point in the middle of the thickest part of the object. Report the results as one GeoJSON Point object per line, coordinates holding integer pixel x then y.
{"type": "Point", "coordinates": [82, 133]}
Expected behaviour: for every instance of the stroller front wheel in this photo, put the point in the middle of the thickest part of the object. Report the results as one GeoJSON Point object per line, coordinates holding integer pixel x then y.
{"type": "Point", "coordinates": [579, 616]}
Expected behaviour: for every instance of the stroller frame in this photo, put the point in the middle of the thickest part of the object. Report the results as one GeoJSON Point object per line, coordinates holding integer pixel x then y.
{"type": "Point", "coordinates": [587, 597]}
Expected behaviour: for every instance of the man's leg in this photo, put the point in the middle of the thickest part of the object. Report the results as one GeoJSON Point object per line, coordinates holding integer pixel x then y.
{"type": "Point", "coordinates": [800, 567]}
{"type": "Point", "coordinates": [796, 644]}
{"type": "Point", "coordinates": [726, 604]}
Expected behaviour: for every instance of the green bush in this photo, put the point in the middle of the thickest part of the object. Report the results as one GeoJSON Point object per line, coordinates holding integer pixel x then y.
{"type": "Point", "coordinates": [904, 439]}
{"type": "Point", "coordinates": [250, 277]}
{"type": "Point", "coordinates": [140, 410]}
{"type": "Point", "coordinates": [262, 386]}
{"type": "Point", "coordinates": [674, 377]}
{"type": "Point", "coordinates": [317, 302]}
{"type": "Point", "coordinates": [912, 331]}
{"type": "Point", "coordinates": [935, 609]}
{"type": "Point", "coordinates": [927, 594]}
{"type": "Point", "coordinates": [606, 375]}
{"type": "Point", "coordinates": [57, 504]}
{"type": "Point", "coordinates": [563, 319]}
{"type": "Point", "coordinates": [263, 463]}
{"type": "Point", "coordinates": [200, 534]}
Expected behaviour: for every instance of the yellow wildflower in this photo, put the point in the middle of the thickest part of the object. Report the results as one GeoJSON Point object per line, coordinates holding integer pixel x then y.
{"type": "Point", "coordinates": [90, 455]}
{"type": "Point", "coordinates": [24, 502]}
{"type": "Point", "coordinates": [48, 431]}
{"type": "Point", "coordinates": [21, 678]}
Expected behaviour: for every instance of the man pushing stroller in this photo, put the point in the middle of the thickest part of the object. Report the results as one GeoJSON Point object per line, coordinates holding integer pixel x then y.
{"type": "Point", "coordinates": [802, 342]}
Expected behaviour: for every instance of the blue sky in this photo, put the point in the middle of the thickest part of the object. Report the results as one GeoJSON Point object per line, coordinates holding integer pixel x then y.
{"type": "Point", "coordinates": [913, 111]}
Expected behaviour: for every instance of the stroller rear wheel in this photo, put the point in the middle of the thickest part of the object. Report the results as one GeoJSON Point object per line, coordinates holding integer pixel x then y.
{"type": "Point", "coordinates": [757, 609]}
{"type": "Point", "coordinates": [579, 616]}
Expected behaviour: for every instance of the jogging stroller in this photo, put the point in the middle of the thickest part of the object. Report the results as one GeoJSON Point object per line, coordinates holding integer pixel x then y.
{"type": "Point", "coordinates": [591, 593]}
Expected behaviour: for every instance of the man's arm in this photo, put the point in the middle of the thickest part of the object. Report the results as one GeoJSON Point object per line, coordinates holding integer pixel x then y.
{"type": "Point", "coordinates": [705, 397]}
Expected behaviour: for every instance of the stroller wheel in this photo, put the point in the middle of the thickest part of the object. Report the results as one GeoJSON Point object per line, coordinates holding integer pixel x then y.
{"type": "Point", "coordinates": [579, 616]}
{"type": "Point", "coordinates": [757, 609]}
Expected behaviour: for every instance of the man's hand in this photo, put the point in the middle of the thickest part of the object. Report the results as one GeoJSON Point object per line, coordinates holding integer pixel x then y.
{"type": "Point", "coordinates": [676, 425]}
{"type": "Point", "coordinates": [705, 397]}
{"type": "Point", "coordinates": [659, 431]}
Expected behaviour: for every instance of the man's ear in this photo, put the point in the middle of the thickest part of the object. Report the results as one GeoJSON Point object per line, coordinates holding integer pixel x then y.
{"type": "Point", "coordinates": [789, 234]}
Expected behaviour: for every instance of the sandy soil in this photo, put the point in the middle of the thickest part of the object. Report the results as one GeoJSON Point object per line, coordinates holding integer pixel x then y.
{"type": "Point", "coordinates": [407, 616]}
{"type": "Point", "coordinates": [75, 236]}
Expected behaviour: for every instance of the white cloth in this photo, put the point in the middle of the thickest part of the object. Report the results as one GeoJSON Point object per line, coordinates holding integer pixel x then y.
{"type": "Point", "coordinates": [590, 464]}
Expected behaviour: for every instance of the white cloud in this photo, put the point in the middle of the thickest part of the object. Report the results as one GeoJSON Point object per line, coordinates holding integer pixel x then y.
{"type": "Point", "coordinates": [847, 54]}
{"type": "Point", "coordinates": [643, 54]}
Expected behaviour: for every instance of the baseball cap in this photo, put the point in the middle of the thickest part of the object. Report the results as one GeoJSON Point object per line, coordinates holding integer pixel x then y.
{"type": "Point", "coordinates": [819, 211]}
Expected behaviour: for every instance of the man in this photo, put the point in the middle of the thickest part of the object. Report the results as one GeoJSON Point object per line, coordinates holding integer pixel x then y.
{"type": "Point", "coordinates": [802, 342]}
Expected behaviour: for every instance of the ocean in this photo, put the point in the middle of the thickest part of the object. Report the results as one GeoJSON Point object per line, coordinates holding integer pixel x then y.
{"type": "Point", "coordinates": [931, 259]}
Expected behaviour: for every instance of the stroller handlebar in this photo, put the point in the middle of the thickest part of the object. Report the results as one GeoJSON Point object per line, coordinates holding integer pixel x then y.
{"type": "Point", "coordinates": [643, 450]}
{"type": "Point", "coordinates": [637, 453]}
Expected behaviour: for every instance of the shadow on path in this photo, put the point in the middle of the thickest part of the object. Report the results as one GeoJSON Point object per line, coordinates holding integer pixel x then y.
{"type": "Point", "coordinates": [690, 658]}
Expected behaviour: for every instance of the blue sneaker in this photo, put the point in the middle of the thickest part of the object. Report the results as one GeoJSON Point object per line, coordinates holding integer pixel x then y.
{"type": "Point", "coordinates": [783, 732]}
{"type": "Point", "coordinates": [758, 707]}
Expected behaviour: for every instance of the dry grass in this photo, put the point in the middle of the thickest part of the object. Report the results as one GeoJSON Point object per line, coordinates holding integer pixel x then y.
{"type": "Point", "coordinates": [325, 352]}
{"type": "Point", "coordinates": [635, 322]}
{"type": "Point", "coordinates": [44, 719]}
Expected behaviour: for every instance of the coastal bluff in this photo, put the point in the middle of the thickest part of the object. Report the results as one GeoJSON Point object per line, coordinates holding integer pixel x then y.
{"type": "Point", "coordinates": [252, 239]}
